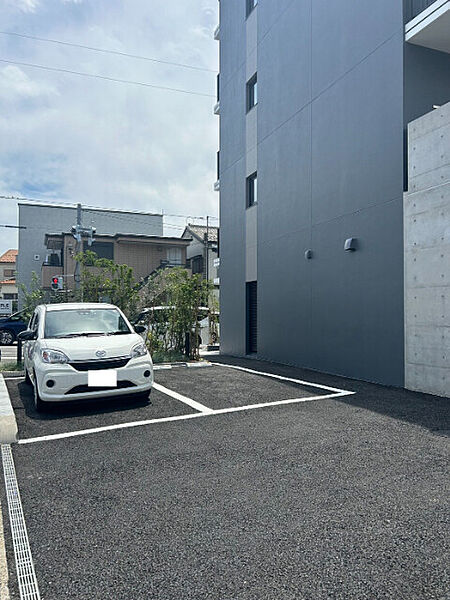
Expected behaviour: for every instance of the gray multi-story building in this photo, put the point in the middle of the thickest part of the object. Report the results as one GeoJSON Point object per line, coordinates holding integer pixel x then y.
{"type": "Point", "coordinates": [39, 219]}
{"type": "Point", "coordinates": [315, 99]}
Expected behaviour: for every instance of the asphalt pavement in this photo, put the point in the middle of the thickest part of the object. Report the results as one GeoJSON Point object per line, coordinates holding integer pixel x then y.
{"type": "Point", "coordinates": [339, 498]}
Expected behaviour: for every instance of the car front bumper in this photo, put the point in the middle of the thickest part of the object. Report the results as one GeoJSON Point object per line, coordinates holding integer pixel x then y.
{"type": "Point", "coordinates": [70, 384]}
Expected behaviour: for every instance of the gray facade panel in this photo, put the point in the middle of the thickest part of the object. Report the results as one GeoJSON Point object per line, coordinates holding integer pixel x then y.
{"type": "Point", "coordinates": [232, 260]}
{"type": "Point", "coordinates": [357, 137]}
{"type": "Point", "coordinates": [284, 63]}
{"type": "Point", "coordinates": [357, 314]}
{"type": "Point", "coordinates": [284, 175]}
{"type": "Point", "coordinates": [284, 304]}
{"type": "Point", "coordinates": [346, 32]}
{"type": "Point", "coordinates": [232, 121]}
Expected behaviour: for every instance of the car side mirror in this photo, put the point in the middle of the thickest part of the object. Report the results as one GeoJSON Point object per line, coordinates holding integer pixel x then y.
{"type": "Point", "coordinates": [27, 335]}
{"type": "Point", "coordinates": [139, 328]}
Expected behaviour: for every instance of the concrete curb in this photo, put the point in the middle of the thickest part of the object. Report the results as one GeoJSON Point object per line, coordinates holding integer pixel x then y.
{"type": "Point", "coordinates": [8, 424]}
{"type": "Point", "coordinates": [13, 373]}
{"type": "Point", "coordinates": [165, 366]}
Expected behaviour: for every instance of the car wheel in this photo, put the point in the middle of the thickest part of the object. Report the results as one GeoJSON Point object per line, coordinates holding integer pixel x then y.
{"type": "Point", "coordinates": [39, 405]}
{"type": "Point", "coordinates": [6, 337]}
{"type": "Point", "coordinates": [27, 378]}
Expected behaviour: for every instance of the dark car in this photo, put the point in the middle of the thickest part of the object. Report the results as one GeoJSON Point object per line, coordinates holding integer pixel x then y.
{"type": "Point", "coordinates": [10, 327]}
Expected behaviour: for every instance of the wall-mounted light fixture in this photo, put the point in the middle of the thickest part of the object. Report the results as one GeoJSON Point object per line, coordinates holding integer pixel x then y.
{"type": "Point", "coordinates": [350, 244]}
{"type": "Point", "coordinates": [308, 254]}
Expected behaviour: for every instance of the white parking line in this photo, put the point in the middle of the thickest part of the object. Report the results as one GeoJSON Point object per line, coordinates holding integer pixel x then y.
{"type": "Point", "coordinates": [220, 411]}
{"type": "Point", "coordinates": [192, 403]}
{"type": "Point", "coordinates": [273, 376]}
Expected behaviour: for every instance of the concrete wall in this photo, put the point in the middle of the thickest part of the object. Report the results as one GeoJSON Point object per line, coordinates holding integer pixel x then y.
{"type": "Point", "coordinates": [41, 219]}
{"type": "Point", "coordinates": [330, 166]}
{"type": "Point", "coordinates": [427, 255]}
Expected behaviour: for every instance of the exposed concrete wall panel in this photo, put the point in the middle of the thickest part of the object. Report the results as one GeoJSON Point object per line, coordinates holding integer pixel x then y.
{"type": "Point", "coordinates": [427, 255]}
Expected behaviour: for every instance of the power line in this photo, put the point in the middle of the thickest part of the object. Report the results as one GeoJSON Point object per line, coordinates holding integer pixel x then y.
{"type": "Point", "coordinates": [106, 51]}
{"type": "Point", "coordinates": [106, 78]}
{"type": "Point", "coordinates": [123, 216]}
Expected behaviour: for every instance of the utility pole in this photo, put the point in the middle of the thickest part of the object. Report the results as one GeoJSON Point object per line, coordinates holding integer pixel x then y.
{"type": "Point", "coordinates": [77, 237]}
{"type": "Point", "coordinates": [78, 231]}
{"type": "Point", "coordinates": [207, 248]}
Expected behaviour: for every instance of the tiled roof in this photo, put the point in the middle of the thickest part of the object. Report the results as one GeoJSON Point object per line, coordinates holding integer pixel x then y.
{"type": "Point", "coordinates": [8, 282]}
{"type": "Point", "coordinates": [9, 256]}
{"type": "Point", "coordinates": [200, 231]}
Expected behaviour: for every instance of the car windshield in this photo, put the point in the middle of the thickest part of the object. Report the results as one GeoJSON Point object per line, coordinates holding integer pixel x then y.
{"type": "Point", "coordinates": [84, 322]}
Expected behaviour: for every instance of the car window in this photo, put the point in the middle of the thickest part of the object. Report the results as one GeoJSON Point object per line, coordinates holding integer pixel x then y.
{"type": "Point", "coordinates": [84, 321]}
{"type": "Point", "coordinates": [31, 323]}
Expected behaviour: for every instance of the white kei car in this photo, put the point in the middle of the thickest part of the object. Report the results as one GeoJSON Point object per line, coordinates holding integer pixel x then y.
{"type": "Point", "coordinates": [77, 351]}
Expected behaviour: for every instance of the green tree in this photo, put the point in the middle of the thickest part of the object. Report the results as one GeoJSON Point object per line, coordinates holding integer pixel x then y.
{"type": "Point", "coordinates": [102, 280]}
{"type": "Point", "coordinates": [174, 298]}
{"type": "Point", "coordinates": [32, 296]}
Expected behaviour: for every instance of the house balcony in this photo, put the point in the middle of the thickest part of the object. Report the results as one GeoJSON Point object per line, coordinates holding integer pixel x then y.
{"type": "Point", "coordinates": [429, 24]}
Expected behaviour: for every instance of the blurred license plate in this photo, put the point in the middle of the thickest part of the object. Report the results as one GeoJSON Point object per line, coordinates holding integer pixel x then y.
{"type": "Point", "coordinates": [105, 378]}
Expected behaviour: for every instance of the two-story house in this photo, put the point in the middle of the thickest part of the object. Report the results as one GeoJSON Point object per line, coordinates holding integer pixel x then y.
{"type": "Point", "coordinates": [8, 286]}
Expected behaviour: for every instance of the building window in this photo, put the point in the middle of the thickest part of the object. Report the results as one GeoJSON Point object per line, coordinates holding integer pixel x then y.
{"type": "Point", "coordinates": [197, 264]}
{"type": "Point", "coordinates": [174, 256]}
{"type": "Point", "coordinates": [252, 189]}
{"type": "Point", "coordinates": [251, 5]}
{"type": "Point", "coordinates": [101, 249]}
{"type": "Point", "coordinates": [9, 273]}
{"type": "Point", "coordinates": [252, 92]}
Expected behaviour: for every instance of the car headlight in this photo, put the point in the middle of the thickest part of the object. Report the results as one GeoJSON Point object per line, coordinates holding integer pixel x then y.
{"type": "Point", "coordinates": [54, 357]}
{"type": "Point", "coordinates": [138, 350]}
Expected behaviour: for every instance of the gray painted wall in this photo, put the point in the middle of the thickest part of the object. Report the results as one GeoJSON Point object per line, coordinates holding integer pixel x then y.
{"type": "Point", "coordinates": [427, 255]}
{"type": "Point", "coordinates": [330, 166]}
{"type": "Point", "coordinates": [232, 174]}
{"type": "Point", "coordinates": [41, 219]}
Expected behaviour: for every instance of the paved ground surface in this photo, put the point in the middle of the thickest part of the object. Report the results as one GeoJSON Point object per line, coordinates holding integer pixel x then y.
{"type": "Point", "coordinates": [342, 498]}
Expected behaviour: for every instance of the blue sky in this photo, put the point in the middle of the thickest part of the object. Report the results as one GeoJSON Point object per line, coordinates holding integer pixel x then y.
{"type": "Point", "coordinates": [75, 139]}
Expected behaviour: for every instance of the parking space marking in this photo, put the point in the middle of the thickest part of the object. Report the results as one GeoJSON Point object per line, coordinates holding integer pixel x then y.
{"type": "Point", "coordinates": [192, 403]}
{"type": "Point", "coordinates": [26, 576]}
{"type": "Point", "coordinates": [197, 415]}
{"type": "Point", "coordinates": [282, 378]}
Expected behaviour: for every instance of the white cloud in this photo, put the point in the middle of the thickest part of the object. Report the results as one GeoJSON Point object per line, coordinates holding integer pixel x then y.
{"type": "Point", "coordinates": [23, 5]}
{"type": "Point", "coordinates": [106, 144]}
{"type": "Point", "coordinates": [15, 83]}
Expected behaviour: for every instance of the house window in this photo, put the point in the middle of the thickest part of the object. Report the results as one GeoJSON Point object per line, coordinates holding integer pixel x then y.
{"type": "Point", "coordinates": [251, 5]}
{"type": "Point", "coordinates": [174, 256]}
{"type": "Point", "coordinates": [197, 264]}
{"type": "Point", "coordinates": [252, 92]}
{"type": "Point", "coordinates": [101, 249]}
{"type": "Point", "coordinates": [252, 189]}
{"type": "Point", "coordinates": [9, 273]}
